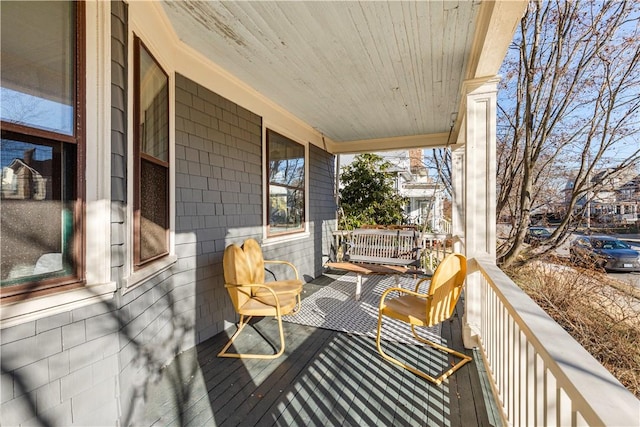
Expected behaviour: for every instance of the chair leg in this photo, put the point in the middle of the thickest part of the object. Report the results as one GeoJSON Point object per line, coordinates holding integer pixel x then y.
{"type": "Point", "coordinates": [416, 371]}
{"type": "Point", "coordinates": [464, 358]}
{"type": "Point", "coordinates": [298, 306]}
{"type": "Point", "coordinates": [241, 325]}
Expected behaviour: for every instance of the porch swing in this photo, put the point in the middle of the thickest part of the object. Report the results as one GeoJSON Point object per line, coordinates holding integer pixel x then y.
{"type": "Point", "coordinates": [344, 239]}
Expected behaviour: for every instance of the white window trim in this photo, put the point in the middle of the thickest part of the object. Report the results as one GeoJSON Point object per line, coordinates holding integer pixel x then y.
{"type": "Point", "coordinates": [135, 278]}
{"type": "Point", "coordinates": [99, 286]}
{"type": "Point", "coordinates": [268, 240]}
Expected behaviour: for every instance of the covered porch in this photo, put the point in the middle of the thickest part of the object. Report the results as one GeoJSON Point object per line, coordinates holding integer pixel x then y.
{"type": "Point", "coordinates": [361, 77]}
{"type": "Point", "coordinates": [325, 78]}
{"type": "Point", "coordinates": [526, 370]}
{"type": "Point", "coordinates": [325, 378]}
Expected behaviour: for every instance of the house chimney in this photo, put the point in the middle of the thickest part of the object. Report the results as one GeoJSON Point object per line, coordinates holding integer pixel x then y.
{"type": "Point", "coordinates": [415, 161]}
{"type": "Point", "coordinates": [28, 156]}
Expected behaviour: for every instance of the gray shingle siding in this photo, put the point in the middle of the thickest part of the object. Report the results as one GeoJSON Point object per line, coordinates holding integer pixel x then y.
{"type": "Point", "coordinates": [52, 366]}
{"type": "Point", "coordinates": [119, 112]}
{"type": "Point", "coordinates": [322, 199]}
{"type": "Point", "coordinates": [218, 192]}
{"type": "Point", "coordinates": [118, 101]}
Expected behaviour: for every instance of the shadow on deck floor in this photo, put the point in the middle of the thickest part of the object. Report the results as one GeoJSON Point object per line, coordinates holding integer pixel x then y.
{"type": "Point", "coordinates": [325, 378]}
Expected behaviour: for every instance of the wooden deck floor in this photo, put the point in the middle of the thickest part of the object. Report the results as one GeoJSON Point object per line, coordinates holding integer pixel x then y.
{"type": "Point", "coordinates": [325, 378]}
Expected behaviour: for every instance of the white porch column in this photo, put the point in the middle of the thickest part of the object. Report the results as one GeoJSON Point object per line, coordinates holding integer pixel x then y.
{"type": "Point", "coordinates": [457, 186]}
{"type": "Point", "coordinates": [479, 130]}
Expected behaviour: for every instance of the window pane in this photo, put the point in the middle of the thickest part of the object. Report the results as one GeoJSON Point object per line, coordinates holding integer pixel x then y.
{"type": "Point", "coordinates": [153, 210]}
{"type": "Point", "coordinates": [286, 184]}
{"type": "Point", "coordinates": [286, 209]}
{"type": "Point", "coordinates": [37, 210]}
{"type": "Point", "coordinates": [286, 161]}
{"type": "Point", "coordinates": [154, 104]}
{"type": "Point", "coordinates": [38, 54]}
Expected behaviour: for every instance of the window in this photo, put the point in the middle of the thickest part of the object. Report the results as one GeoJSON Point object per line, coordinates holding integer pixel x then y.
{"type": "Point", "coordinates": [42, 147]}
{"type": "Point", "coordinates": [286, 172]}
{"type": "Point", "coordinates": [426, 209]}
{"type": "Point", "coordinates": [151, 158]}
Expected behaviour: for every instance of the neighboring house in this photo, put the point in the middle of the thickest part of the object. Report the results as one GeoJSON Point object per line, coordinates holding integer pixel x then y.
{"type": "Point", "coordinates": [630, 190]}
{"type": "Point", "coordinates": [622, 204]}
{"type": "Point", "coordinates": [173, 129]}
{"type": "Point", "coordinates": [426, 196]}
{"type": "Point", "coordinates": [616, 198]}
{"type": "Point", "coordinates": [21, 181]}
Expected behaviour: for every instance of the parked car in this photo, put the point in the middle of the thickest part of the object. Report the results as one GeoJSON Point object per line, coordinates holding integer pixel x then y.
{"type": "Point", "coordinates": [537, 235]}
{"type": "Point", "coordinates": [546, 218]}
{"type": "Point", "coordinates": [605, 252]}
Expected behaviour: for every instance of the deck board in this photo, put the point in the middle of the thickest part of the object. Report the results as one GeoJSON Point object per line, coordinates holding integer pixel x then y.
{"type": "Point", "coordinates": [325, 378]}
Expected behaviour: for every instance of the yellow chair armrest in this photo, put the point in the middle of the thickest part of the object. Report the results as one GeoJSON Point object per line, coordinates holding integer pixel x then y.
{"type": "Point", "coordinates": [249, 285]}
{"type": "Point", "coordinates": [420, 282]}
{"type": "Point", "coordinates": [258, 285]}
{"type": "Point", "coordinates": [293, 267]}
{"type": "Point", "coordinates": [400, 290]}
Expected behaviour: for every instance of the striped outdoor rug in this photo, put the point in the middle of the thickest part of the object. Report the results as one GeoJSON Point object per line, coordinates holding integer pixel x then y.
{"type": "Point", "coordinates": [334, 307]}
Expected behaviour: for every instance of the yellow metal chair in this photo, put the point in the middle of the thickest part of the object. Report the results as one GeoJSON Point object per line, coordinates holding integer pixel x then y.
{"type": "Point", "coordinates": [428, 309]}
{"type": "Point", "coordinates": [252, 298]}
{"type": "Point", "coordinates": [257, 264]}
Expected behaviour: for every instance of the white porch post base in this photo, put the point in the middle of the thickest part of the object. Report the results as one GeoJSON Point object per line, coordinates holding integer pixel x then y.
{"type": "Point", "coordinates": [471, 330]}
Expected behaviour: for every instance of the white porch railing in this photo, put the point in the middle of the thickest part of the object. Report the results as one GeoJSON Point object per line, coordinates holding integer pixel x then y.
{"type": "Point", "coordinates": [444, 226]}
{"type": "Point", "coordinates": [434, 249]}
{"type": "Point", "coordinates": [541, 375]}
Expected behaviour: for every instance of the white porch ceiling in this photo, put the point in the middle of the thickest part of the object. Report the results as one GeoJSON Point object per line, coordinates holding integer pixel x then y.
{"type": "Point", "coordinates": [367, 74]}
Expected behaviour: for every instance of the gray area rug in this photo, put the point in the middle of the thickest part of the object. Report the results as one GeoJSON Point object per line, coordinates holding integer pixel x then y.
{"type": "Point", "coordinates": [334, 307]}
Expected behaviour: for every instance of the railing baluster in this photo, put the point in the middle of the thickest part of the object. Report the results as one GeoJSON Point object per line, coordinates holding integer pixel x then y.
{"type": "Point", "coordinates": [530, 401]}
{"type": "Point", "coordinates": [513, 374]}
{"type": "Point", "coordinates": [540, 400]}
{"type": "Point", "coordinates": [504, 364]}
{"type": "Point", "coordinates": [551, 400]}
{"type": "Point", "coordinates": [565, 413]}
{"type": "Point", "coordinates": [510, 366]}
{"type": "Point", "coordinates": [522, 379]}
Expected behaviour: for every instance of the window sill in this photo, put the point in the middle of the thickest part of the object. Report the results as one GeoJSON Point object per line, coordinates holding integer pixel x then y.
{"type": "Point", "coordinates": [139, 277]}
{"type": "Point", "coordinates": [19, 312]}
{"type": "Point", "coordinates": [275, 240]}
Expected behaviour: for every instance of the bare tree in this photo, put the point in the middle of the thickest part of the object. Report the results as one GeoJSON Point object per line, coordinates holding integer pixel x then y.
{"type": "Point", "coordinates": [441, 162]}
{"type": "Point", "coordinates": [569, 108]}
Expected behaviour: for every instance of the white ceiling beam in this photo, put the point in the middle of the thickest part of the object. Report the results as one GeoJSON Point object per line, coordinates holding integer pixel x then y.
{"type": "Point", "coordinates": [435, 140]}
{"type": "Point", "coordinates": [489, 47]}
{"type": "Point", "coordinates": [497, 23]}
